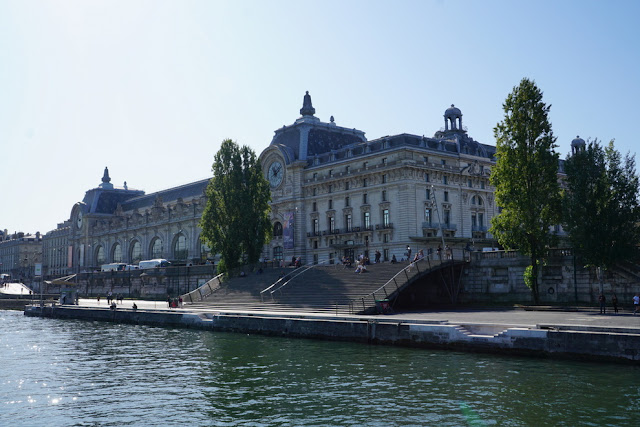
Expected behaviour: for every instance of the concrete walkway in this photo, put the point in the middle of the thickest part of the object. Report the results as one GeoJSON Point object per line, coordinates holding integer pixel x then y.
{"type": "Point", "coordinates": [585, 317]}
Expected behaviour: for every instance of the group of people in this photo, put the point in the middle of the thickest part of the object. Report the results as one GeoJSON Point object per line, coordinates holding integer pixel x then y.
{"type": "Point", "coordinates": [111, 298]}
{"type": "Point", "coordinates": [602, 299]}
{"type": "Point", "coordinates": [174, 302]}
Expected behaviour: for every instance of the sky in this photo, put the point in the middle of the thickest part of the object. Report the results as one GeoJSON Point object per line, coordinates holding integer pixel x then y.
{"type": "Point", "coordinates": [151, 88]}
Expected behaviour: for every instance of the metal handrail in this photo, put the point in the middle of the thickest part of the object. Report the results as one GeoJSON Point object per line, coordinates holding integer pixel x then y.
{"type": "Point", "coordinates": [285, 282]}
{"type": "Point", "coordinates": [199, 290]}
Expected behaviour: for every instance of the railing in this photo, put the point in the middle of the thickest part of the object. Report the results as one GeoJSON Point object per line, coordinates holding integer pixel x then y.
{"type": "Point", "coordinates": [203, 291]}
{"type": "Point", "coordinates": [283, 281]}
{"type": "Point", "coordinates": [405, 275]}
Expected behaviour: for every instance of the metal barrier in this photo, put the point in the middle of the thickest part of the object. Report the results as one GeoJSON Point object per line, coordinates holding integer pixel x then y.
{"type": "Point", "coordinates": [203, 291]}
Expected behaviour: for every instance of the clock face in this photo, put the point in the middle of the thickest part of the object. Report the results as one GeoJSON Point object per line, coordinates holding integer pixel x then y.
{"type": "Point", "coordinates": [275, 174]}
{"type": "Point", "coordinates": [79, 220]}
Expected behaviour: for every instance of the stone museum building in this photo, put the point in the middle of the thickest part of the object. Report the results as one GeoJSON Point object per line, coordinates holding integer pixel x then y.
{"type": "Point", "coordinates": [334, 194]}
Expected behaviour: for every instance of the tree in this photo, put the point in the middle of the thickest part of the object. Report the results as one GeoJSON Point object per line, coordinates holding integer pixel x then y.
{"type": "Point", "coordinates": [601, 210]}
{"type": "Point", "coordinates": [525, 178]}
{"type": "Point", "coordinates": [235, 223]}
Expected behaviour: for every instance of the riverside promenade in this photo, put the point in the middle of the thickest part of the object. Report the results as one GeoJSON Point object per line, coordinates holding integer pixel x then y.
{"type": "Point", "coordinates": [579, 333]}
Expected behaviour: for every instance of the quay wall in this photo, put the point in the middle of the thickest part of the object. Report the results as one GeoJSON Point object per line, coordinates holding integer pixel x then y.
{"type": "Point", "coordinates": [609, 344]}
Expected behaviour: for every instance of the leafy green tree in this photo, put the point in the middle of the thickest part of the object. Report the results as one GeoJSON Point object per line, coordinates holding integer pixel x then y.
{"type": "Point", "coordinates": [235, 222]}
{"type": "Point", "coordinates": [525, 178]}
{"type": "Point", "coordinates": [601, 210]}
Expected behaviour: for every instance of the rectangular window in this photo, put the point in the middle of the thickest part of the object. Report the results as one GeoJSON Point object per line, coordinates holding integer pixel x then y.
{"type": "Point", "coordinates": [364, 165]}
{"type": "Point", "coordinates": [384, 195]}
{"type": "Point", "coordinates": [330, 188]}
{"type": "Point", "coordinates": [364, 182]}
{"type": "Point", "coordinates": [427, 194]}
{"type": "Point", "coordinates": [330, 172]}
{"type": "Point", "coordinates": [474, 222]}
{"type": "Point", "coordinates": [481, 219]}
{"type": "Point", "coordinates": [332, 224]}
{"type": "Point", "coordinates": [315, 244]}
{"type": "Point", "coordinates": [384, 161]}
{"type": "Point", "coordinates": [447, 217]}
{"type": "Point", "coordinates": [315, 176]}
{"type": "Point", "coordinates": [384, 178]}
{"type": "Point", "coordinates": [470, 183]}
{"type": "Point", "coordinates": [346, 202]}
{"type": "Point", "coordinates": [365, 199]}
{"type": "Point", "coordinates": [348, 222]}
{"type": "Point", "coordinates": [366, 219]}
{"type": "Point", "coordinates": [446, 196]}
{"type": "Point", "coordinates": [386, 253]}
{"type": "Point", "coordinates": [330, 204]}
{"type": "Point", "coordinates": [277, 253]}
{"type": "Point", "coordinates": [314, 192]}
{"type": "Point", "coordinates": [445, 181]}
{"type": "Point", "coordinates": [346, 169]}
{"type": "Point", "coordinates": [482, 184]}
{"type": "Point", "coordinates": [346, 185]}
{"type": "Point", "coordinates": [385, 238]}
{"type": "Point", "coordinates": [443, 161]}
{"type": "Point", "coordinates": [385, 218]}
{"type": "Point", "coordinates": [315, 207]}
{"type": "Point", "coordinates": [426, 177]}
{"type": "Point", "coordinates": [426, 159]}
{"type": "Point", "coordinates": [427, 215]}
{"type": "Point", "coordinates": [316, 227]}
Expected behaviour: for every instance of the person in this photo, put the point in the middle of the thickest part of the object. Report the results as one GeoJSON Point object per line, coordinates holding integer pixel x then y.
{"type": "Point", "coordinates": [439, 251]}
{"type": "Point", "coordinates": [98, 298]}
{"type": "Point", "coordinates": [447, 252]}
{"type": "Point", "coordinates": [180, 301]}
{"type": "Point", "coordinates": [378, 254]}
{"type": "Point", "coordinates": [135, 306]}
{"type": "Point", "coordinates": [636, 303]}
{"type": "Point", "coordinates": [113, 305]}
{"type": "Point", "coordinates": [393, 259]}
{"type": "Point", "coordinates": [169, 301]}
{"type": "Point", "coordinates": [614, 302]}
{"type": "Point", "coordinates": [409, 252]}
{"type": "Point", "coordinates": [603, 300]}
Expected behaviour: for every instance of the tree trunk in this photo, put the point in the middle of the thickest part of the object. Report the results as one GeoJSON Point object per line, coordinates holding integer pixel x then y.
{"type": "Point", "coordinates": [534, 283]}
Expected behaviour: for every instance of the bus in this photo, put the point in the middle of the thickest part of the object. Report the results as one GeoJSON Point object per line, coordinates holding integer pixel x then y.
{"type": "Point", "coordinates": [153, 263]}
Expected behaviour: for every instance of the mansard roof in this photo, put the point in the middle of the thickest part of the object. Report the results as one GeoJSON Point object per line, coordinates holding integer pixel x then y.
{"type": "Point", "coordinates": [185, 192]}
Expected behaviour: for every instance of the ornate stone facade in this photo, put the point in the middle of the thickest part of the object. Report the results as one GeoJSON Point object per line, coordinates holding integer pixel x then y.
{"type": "Point", "coordinates": [349, 195]}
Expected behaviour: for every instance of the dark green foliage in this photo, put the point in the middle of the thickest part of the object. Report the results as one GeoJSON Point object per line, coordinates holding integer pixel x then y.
{"type": "Point", "coordinates": [601, 211]}
{"type": "Point", "coordinates": [525, 177]}
{"type": "Point", "coordinates": [235, 222]}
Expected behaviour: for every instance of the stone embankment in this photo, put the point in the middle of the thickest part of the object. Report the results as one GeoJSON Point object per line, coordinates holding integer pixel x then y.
{"type": "Point", "coordinates": [563, 341]}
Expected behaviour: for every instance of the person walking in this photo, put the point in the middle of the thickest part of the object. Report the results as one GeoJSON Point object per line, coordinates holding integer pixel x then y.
{"type": "Point", "coordinates": [636, 303]}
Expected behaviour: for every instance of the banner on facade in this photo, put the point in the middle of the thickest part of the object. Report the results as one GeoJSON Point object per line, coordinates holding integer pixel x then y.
{"type": "Point", "coordinates": [38, 269]}
{"type": "Point", "coordinates": [287, 230]}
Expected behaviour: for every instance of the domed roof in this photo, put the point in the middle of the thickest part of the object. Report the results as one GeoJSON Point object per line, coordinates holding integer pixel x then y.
{"type": "Point", "coordinates": [577, 142]}
{"type": "Point", "coordinates": [453, 111]}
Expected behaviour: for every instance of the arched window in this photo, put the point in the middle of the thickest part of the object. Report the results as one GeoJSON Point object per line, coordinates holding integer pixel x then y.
{"type": "Point", "coordinates": [277, 229]}
{"type": "Point", "coordinates": [156, 248]}
{"type": "Point", "coordinates": [180, 247]}
{"type": "Point", "coordinates": [136, 251]}
{"type": "Point", "coordinates": [116, 253]}
{"type": "Point", "coordinates": [100, 258]}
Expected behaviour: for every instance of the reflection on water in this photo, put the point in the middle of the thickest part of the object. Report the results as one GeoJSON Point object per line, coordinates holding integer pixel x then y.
{"type": "Point", "coordinates": [89, 373]}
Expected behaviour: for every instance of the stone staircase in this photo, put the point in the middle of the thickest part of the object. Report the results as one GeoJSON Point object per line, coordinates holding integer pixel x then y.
{"type": "Point", "coordinates": [320, 289]}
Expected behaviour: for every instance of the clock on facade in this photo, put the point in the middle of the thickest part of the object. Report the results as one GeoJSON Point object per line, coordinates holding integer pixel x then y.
{"type": "Point", "coordinates": [79, 220]}
{"type": "Point", "coordinates": [275, 174]}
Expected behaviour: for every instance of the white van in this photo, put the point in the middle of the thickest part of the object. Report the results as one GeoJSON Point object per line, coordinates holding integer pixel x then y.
{"type": "Point", "coordinates": [153, 263]}
{"type": "Point", "coordinates": [116, 266]}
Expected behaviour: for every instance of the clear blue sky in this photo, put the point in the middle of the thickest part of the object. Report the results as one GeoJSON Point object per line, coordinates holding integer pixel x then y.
{"type": "Point", "coordinates": [151, 88]}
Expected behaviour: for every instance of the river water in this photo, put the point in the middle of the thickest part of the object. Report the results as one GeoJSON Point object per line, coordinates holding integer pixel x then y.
{"type": "Point", "coordinates": [66, 372]}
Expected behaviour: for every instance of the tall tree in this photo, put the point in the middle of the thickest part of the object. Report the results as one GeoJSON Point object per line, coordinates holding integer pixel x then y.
{"type": "Point", "coordinates": [601, 208]}
{"type": "Point", "coordinates": [525, 178]}
{"type": "Point", "coordinates": [235, 222]}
